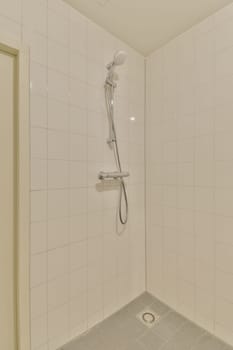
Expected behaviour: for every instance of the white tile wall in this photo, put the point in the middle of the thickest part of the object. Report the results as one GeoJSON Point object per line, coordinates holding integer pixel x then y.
{"type": "Point", "coordinates": [189, 174]}
{"type": "Point", "coordinates": [79, 264]}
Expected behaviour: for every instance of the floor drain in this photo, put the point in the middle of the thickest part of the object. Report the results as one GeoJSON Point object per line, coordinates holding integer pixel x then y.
{"type": "Point", "coordinates": [148, 317]}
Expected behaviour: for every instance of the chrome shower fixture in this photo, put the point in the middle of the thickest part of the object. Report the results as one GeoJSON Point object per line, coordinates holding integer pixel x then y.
{"type": "Point", "coordinates": [110, 85]}
{"type": "Point", "coordinates": [118, 59]}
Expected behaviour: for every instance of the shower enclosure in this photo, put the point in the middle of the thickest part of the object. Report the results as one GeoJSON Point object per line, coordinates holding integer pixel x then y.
{"type": "Point", "coordinates": [81, 272]}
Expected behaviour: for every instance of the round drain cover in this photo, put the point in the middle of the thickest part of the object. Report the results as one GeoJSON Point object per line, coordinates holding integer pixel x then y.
{"type": "Point", "coordinates": [148, 317]}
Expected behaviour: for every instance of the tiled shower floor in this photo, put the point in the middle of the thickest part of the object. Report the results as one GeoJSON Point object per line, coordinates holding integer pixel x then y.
{"type": "Point", "coordinates": [123, 331]}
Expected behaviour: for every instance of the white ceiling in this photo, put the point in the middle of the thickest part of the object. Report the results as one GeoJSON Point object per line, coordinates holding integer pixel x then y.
{"type": "Point", "coordinates": [147, 24]}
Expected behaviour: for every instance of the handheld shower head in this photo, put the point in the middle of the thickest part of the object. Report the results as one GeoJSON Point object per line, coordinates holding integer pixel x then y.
{"type": "Point", "coordinates": [118, 59]}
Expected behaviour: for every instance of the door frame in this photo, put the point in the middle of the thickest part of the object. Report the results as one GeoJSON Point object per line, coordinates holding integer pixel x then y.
{"type": "Point", "coordinates": [22, 219]}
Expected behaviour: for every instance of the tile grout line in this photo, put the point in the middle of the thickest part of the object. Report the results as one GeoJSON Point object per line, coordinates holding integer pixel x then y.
{"type": "Point", "coordinates": [47, 176]}
{"type": "Point", "coordinates": [145, 166]}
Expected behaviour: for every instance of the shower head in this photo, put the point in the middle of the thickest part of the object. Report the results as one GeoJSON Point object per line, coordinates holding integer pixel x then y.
{"type": "Point", "coordinates": [118, 59]}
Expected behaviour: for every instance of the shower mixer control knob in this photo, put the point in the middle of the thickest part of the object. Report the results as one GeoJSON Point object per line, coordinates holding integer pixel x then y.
{"type": "Point", "coordinates": [113, 175]}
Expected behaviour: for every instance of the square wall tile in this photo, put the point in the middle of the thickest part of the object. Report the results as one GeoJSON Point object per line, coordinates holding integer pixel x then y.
{"type": "Point", "coordinates": [57, 292]}
{"type": "Point", "coordinates": [38, 301]}
{"type": "Point", "coordinates": [58, 204]}
{"type": "Point", "coordinates": [38, 237]}
{"type": "Point", "coordinates": [39, 143]}
{"type": "Point", "coordinates": [58, 27]}
{"type": "Point", "coordinates": [58, 115]}
{"type": "Point", "coordinates": [38, 79]}
{"type": "Point", "coordinates": [58, 322]}
{"type": "Point", "coordinates": [39, 332]}
{"type": "Point", "coordinates": [38, 111]}
{"type": "Point", "coordinates": [38, 268]}
{"type": "Point", "coordinates": [78, 255]}
{"type": "Point", "coordinates": [57, 262]}
{"type": "Point", "coordinates": [38, 174]}
{"type": "Point", "coordinates": [58, 174]}
{"type": "Point", "coordinates": [38, 206]}
{"type": "Point", "coordinates": [34, 15]}
{"type": "Point", "coordinates": [58, 145]}
{"type": "Point", "coordinates": [58, 233]}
